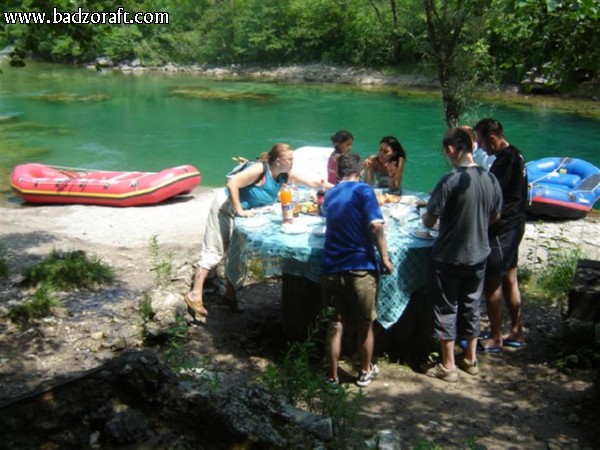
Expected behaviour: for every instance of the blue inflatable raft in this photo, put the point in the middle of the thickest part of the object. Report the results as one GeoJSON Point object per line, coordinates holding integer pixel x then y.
{"type": "Point", "coordinates": [564, 188]}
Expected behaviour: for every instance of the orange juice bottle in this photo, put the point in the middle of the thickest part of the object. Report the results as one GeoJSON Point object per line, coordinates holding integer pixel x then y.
{"type": "Point", "coordinates": [287, 205]}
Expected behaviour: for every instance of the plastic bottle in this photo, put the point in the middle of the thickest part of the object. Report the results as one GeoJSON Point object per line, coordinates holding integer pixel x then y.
{"type": "Point", "coordinates": [295, 200]}
{"type": "Point", "coordinates": [287, 206]}
{"type": "Point", "coordinates": [320, 197]}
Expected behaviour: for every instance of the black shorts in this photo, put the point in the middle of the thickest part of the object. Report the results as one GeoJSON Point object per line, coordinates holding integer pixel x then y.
{"type": "Point", "coordinates": [505, 251]}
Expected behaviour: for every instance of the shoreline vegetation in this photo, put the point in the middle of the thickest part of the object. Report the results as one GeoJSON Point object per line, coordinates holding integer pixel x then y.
{"type": "Point", "coordinates": [583, 101]}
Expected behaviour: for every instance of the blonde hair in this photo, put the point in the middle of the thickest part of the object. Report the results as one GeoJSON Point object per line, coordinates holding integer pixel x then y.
{"type": "Point", "coordinates": [276, 151]}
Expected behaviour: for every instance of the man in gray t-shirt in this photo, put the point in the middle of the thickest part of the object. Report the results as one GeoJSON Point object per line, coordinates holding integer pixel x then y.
{"type": "Point", "coordinates": [464, 201]}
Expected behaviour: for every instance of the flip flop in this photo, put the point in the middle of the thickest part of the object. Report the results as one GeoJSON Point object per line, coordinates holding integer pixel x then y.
{"type": "Point", "coordinates": [513, 343]}
{"type": "Point", "coordinates": [492, 349]}
{"type": "Point", "coordinates": [196, 308]}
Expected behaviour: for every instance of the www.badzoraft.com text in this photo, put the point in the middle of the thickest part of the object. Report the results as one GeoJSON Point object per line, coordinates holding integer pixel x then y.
{"type": "Point", "coordinates": [80, 17]}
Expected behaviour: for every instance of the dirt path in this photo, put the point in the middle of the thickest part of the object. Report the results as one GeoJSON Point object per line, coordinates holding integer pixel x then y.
{"type": "Point", "coordinates": [518, 401]}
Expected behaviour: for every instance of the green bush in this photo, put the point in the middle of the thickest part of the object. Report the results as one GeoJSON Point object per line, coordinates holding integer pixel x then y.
{"type": "Point", "coordinates": [556, 279]}
{"type": "Point", "coordinates": [68, 271]}
{"type": "Point", "coordinates": [296, 381]}
{"type": "Point", "coordinates": [39, 305]}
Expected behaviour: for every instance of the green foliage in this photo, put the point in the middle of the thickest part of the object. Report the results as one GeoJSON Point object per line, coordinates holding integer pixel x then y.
{"type": "Point", "coordinates": [575, 346]}
{"type": "Point", "coordinates": [562, 38]}
{"type": "Point", "coordinates": [39, 305]}
{"type": "Point", "coordinates": [256, 269]}
{"type": "Point", "coordinates": [556, 279]}
{"type": "Point", "coordinates": [175, 352]}
{"type": "Point", "coordinates": [146, 308]}
{"type": "Point", "coordinates": [296, 381]}
{"type": "Point", "coordinates": [121, 43]}
{"type": "Point", "coordinates": [470, 44]}
{"type": "Point", "coordinates": [69, 270]}
{"type": "Point", "coordinates": [425, 444]}
{"type": "Point", "coordinates": [162, 267]}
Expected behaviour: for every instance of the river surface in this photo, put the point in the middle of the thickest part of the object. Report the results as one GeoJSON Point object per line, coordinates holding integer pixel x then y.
{"type": "Point", "coordinates": [115, 121]}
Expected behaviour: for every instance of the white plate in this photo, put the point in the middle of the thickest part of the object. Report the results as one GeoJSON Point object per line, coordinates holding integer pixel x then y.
{"type": "Point", "coordinates": [309, 220]}
{"type": "Point", "coordinates": [268, 209]}
{"type": "Point", "coordinates": [319, 231]}
{"type": "Point", "coordinates": [410, 200]}
{"type": "Point", "coordinates": [423, 234]}
{"type": "Point", "coordinates": [255, 222]}
{"type": "Point", "coordinates": [294, 228]}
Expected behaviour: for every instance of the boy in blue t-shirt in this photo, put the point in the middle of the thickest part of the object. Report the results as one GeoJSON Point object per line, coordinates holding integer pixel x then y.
{"type": "Point", "coordinates": [349, 272]}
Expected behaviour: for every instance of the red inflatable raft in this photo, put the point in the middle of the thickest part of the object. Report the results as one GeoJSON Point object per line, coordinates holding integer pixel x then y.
{"type": "Point", "coordinates": [38, 183]}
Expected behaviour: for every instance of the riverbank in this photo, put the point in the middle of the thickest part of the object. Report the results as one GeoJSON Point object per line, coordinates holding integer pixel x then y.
{"type": "Point", "coordinates": [582, 101]}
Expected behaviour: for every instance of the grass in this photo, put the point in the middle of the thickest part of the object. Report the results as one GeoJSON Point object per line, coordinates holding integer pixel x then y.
{"type": "Point", "coordinates": [69, 270]}
{"type": "Point", "coordinates": [556, 279]}
{"type": "Point", "coordinates": [59, 271]}
{"type": "Point", "coordinates": [573, 346]}
{"type": "Point", "coordinates": [39, 305]}
{"type": "Point", "coordinates": [256, 269]}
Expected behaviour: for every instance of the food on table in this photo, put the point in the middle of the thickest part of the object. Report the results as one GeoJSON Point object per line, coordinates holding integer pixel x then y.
{"type": "Point", "coordinates": [309, 208]}
{"type": "Point", "coordinates": [387, 198]}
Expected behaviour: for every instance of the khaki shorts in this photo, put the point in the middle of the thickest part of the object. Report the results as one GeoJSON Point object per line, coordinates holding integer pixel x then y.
{"type": "Point", "coordinates": [352, 293]}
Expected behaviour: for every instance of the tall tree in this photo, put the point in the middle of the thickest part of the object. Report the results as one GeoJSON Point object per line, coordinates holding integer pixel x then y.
{"type": "Point", "coordinates": [445, 25]}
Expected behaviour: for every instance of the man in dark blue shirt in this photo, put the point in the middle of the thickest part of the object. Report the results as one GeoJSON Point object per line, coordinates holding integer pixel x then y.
{"type": "Point", "coordinates": [349, 272]}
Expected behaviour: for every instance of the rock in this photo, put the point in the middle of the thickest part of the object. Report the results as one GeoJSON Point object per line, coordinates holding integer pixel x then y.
{"type": "Point", "coordinates": [385, 440]}
{"type": "Point", "coordinates": [320, 426]}
{"type": "Point", "coordinates": [104, 61]}
{"type": "Point", "coordinates": [127, 426]}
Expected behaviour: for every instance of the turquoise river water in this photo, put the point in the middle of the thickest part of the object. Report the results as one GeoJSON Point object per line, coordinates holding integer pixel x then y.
{"type": "Point", "coordinates": [141, 124]}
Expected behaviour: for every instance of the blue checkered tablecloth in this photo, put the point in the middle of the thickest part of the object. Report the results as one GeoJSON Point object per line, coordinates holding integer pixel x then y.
{"type": "Point", "coordinates": [258, 244]}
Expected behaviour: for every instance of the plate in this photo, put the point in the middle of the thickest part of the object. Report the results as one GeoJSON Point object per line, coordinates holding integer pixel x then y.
{"type": "Point", "coordinates": [423, 234]}
{"type": "Point", "coordinates": [310, 220]}
{"type": "Point", "coordinates": [319, 231]}
{"type": "Point", "coordinates": [268, 209]}
{"type": "Point", "coordinates": [294, 228]}
{"type": "Point", "coordinates": [255, 222]}
{"type": "Point", "coordinates": [410, 200]}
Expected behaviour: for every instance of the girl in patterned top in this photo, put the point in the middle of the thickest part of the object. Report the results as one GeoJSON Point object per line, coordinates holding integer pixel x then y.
{"type": "Point", "coordinates": [385, 169]}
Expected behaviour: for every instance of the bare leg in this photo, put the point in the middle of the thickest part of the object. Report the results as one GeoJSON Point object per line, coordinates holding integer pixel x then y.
{"type": "Point", "coordinates": [336, 329]}
{"type": "Point", "coordinates": [512, 295]}
{"type": "Point", "coordinates": [194, 298]}
{"type": "Point", "coordinates": [471, 350]}
{"type": "Point", "coordinates": [364, 344]}
{"type": "Point", "coordinates": [493, 297]}
{"type": "Point", "coordinates": [447, 348]}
